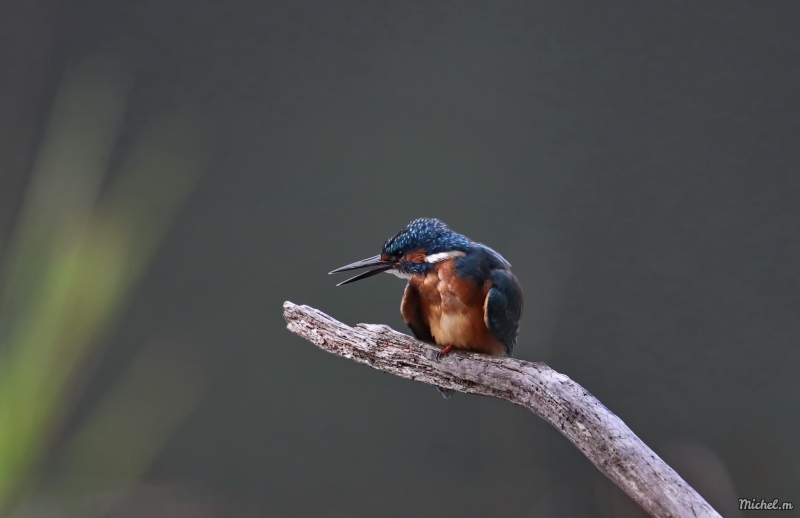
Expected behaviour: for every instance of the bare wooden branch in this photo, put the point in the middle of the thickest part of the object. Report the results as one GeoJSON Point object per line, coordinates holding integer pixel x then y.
{"type": "Point", "coordinates": [579, 416]}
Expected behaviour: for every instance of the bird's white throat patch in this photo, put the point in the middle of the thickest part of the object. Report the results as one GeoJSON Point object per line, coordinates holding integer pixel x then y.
{"type": "Point", "coordinates": [398, 273]}
{"type": "Point", "coordinates": [443, 256]}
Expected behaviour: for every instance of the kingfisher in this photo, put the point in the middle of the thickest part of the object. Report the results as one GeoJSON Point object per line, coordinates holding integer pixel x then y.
{"type": "Point", "coordinates": [461, 295]}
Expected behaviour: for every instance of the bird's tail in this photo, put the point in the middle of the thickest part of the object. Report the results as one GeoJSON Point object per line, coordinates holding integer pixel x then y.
{"type": "Point", "coordinates": [446, 393]}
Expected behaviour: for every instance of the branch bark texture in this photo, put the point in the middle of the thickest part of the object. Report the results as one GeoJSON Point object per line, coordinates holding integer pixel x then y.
{"type": "Point", "coordinates": [579, 416]}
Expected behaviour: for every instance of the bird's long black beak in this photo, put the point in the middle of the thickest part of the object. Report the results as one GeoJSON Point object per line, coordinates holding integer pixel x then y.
{"type": "Point", "coordinates": [378, 264]}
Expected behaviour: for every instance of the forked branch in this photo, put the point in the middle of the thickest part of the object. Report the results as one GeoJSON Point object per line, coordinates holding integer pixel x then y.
{"type": "Point", "coordinates": [579, 416]}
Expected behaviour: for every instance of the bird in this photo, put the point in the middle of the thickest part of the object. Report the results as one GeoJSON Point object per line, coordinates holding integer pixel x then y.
{"type": "Point", "coordinates": [460, 295]}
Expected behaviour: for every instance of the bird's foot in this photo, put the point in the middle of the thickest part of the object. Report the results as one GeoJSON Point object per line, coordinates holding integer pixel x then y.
{"type": "Point", "coordinates": [444, 352]}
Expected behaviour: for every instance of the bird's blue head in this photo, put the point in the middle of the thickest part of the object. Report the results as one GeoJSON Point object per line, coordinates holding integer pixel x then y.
{"type": "Point", "coordinates": [413, 251]}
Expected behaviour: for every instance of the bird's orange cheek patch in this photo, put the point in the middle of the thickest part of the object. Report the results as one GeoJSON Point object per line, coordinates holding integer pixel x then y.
{"type": "Point", "coordinates": [417, 256]}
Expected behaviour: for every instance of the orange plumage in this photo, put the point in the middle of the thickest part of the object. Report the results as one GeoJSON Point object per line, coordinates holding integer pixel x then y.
{"type": "Point", "coordinates": [451, 308]}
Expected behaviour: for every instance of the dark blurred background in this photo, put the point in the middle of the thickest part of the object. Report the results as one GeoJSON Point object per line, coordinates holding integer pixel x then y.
{"type": "Point", "coordinates": [636, 163]}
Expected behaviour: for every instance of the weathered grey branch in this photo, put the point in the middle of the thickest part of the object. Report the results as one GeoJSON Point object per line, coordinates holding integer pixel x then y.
{"type": "Point", "coordinates": [581, 418]}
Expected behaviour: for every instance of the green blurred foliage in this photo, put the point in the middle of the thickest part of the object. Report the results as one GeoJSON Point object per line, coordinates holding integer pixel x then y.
{"type": "Point", "coordinates": [76, 253]}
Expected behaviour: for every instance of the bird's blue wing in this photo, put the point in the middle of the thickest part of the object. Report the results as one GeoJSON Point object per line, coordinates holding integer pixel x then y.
{"type": "Point", "coordinates": [503, 308]}
{"type": "Point", "coordinates": [501, 261]}
{"type": "Point", "coordinates": [411, 312]}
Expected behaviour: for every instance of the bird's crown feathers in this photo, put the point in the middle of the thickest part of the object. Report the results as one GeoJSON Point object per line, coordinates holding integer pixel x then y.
{"type": "Point", "coordinates": [428, 234]}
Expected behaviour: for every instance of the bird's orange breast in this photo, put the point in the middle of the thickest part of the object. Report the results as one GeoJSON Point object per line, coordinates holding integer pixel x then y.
{"type": "Point", "coordinates": [454, 310]}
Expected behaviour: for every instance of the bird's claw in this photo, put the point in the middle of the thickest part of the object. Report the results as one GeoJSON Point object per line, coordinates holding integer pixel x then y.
{"type": "Point", "coordinates": [443, 352]}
